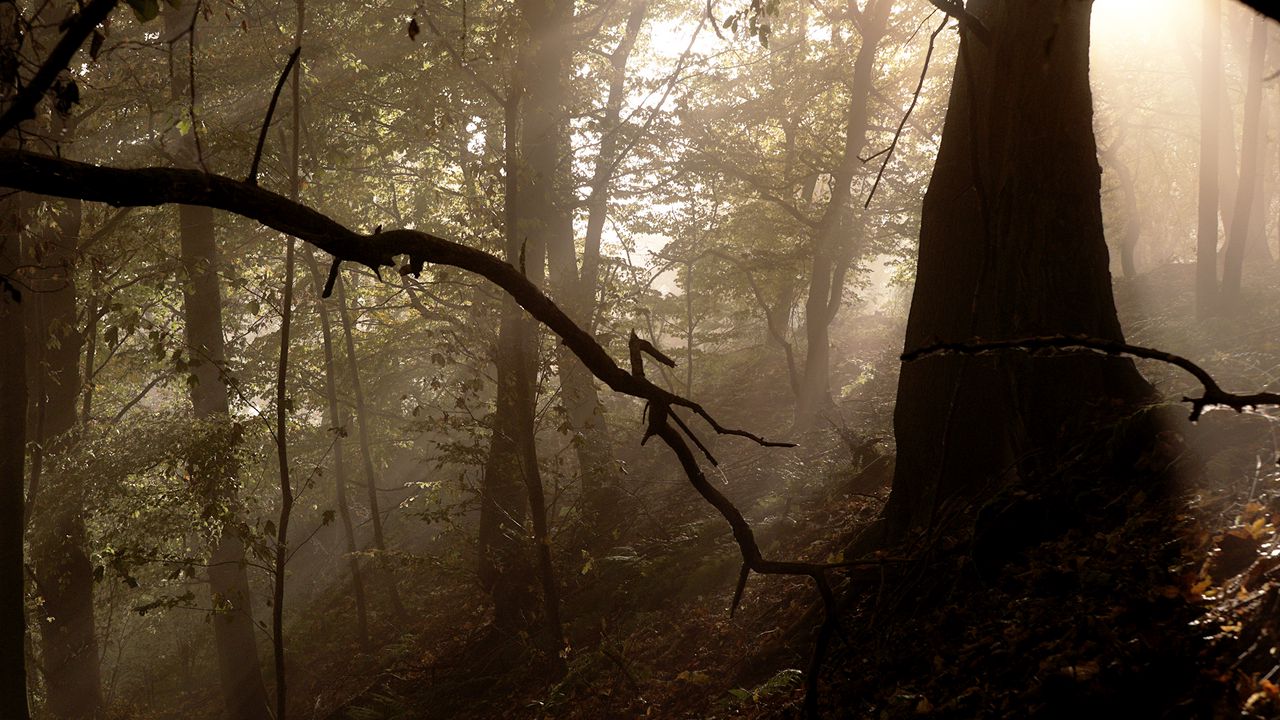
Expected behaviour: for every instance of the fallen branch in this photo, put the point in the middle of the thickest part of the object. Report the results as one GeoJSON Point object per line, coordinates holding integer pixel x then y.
{"type": "Point", "coordinates": [1213, 395]}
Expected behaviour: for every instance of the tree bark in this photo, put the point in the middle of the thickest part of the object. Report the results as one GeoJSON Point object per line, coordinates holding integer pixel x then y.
{"type": "Point", "coordinates": [594, 450]}
{"type": "Point", "coordinates": [534, 141]}
{"type": "Point", "coordinates": [1011, 245]}
{"type": "Point", "coordinates": [337, 423]}
{"type": "Point", "coordinates": [366, 452]}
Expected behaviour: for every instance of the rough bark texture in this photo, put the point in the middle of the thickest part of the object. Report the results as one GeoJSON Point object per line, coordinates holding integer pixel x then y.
{"type": "Point", "coordinates": [1011, 245]}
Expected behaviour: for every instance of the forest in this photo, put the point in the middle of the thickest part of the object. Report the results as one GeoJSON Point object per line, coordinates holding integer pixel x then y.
{"type": "Point", "coordinates": [404, 359]}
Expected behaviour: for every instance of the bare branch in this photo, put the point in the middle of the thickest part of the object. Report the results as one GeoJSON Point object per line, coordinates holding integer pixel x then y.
{"type": "Point", "coordinates": [1213, 394]}
{"type": "Point", "coordinates": [271, 110]}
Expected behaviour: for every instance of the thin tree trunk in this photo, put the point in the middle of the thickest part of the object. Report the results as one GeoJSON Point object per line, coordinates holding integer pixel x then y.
{"type": "Point", "coordinates": [366, 450]}
{"type": "Point", "coordinates": [835, 236]}
{"type": "Point", "coordinates": [1250, 156]}
{"type": "Point", "coordinates": [1210, 98]}
{"type": "Point", "coordinates": [239, 667]}
{"type": "Point", "coordinates": [337, 422]}
{"type": "Point", "coordinates": [579, 395]}
{"type": "Point", "coordinates": [283, 403]}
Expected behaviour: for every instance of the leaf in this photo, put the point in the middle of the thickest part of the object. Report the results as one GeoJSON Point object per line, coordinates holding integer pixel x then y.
{"type": "Point", "coordinates": [145, 10]}
{"type": "Point", "coordinates": [743, 695]}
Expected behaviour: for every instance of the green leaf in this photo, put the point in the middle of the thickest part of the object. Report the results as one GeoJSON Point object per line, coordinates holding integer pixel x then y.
{"type": "Point", "coordinates": [145, 10]}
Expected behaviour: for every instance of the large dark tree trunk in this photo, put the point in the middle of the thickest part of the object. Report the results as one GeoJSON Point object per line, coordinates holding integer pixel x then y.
{"type": "Point", "coordinates": [1011, 245]}
{"type": "Point", "coordinates": [62, 570]}
{"type": "Point", "coordinates": [13, 428]}
{"type": "Point", "coordinates": [13, 433]}
{"type": "Point", "coordinates": [239, 667]}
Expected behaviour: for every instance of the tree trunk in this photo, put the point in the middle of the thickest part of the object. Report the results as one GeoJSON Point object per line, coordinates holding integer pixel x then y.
{"type": "Point", "coordinates": [534, 142]}
{"type": "Point", "coordinates": [834, 239]}
{"type": "Point", "coordinates": [282, 400]}
{"type": "Point", "coordinates": [366, 452]}
{"type": "Point", "coordinates": [59, 540]}
{"type": "Point", "coordinates": [13, 429]}
{"type": "Point", "coordinates": [1011, 245]}
{"type": "Point", "coordinates": [1210, 99]}
{"type": "Point", "coordinates": [337, 423]}
{"type": "Point", "coordinates": [1250, 158]}
{"type": "Point", "coordinates": [601, 512]}
{"type": "Point", "coordinates": [239, 667]}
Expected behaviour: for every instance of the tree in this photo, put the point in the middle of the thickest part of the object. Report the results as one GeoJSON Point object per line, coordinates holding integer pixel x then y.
{"type": "Point", "coordinates": [1011, 245]}
{"type": "Point", "coordinates": [13, 424]}
{"type": "Point", "coordinates": [534, 210]}
{"type": "Point", "coordinates": [239, 667]}
{"type": "Point", "coordinates": [1244, 213]}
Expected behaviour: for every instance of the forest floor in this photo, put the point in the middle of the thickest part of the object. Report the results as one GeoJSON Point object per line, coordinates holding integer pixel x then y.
{"type": "Point", "coordinates": [1148, 589]}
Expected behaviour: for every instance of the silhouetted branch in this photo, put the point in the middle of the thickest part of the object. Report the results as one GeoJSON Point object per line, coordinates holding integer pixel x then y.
{"type": "Point", "coordinates": [78, 30]}
{"type": "Point", "coordinates": [1213, 394]}
{"type": "Point", "coordinates": [271, 110]}
{"type": "Point", "coordinates": [968, 21]}
{"type": "Point", "coordinates": [915, 98]}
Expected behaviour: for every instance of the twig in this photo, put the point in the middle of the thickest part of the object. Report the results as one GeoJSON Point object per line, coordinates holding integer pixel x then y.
{"type": "Point", "coordinates": [888, 152]}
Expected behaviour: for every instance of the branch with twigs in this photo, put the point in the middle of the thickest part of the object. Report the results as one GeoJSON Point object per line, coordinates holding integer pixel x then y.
{"type": "Point", "coordinates": [1212, 396]}
{"type": "Point", "coordinates": [58, 177]}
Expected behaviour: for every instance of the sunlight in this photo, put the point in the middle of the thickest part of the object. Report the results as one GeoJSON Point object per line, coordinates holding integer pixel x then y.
{"type": "Point", "coordinates": [1119, 22]}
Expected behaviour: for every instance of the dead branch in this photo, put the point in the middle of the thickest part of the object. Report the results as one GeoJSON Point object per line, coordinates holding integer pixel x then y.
{"type": "Point", "coordinates": [271, 110]}
{"type": "Point", "coordinates": [1213, 395]}
{"type": "Point", "coordinates": [915, 98]}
